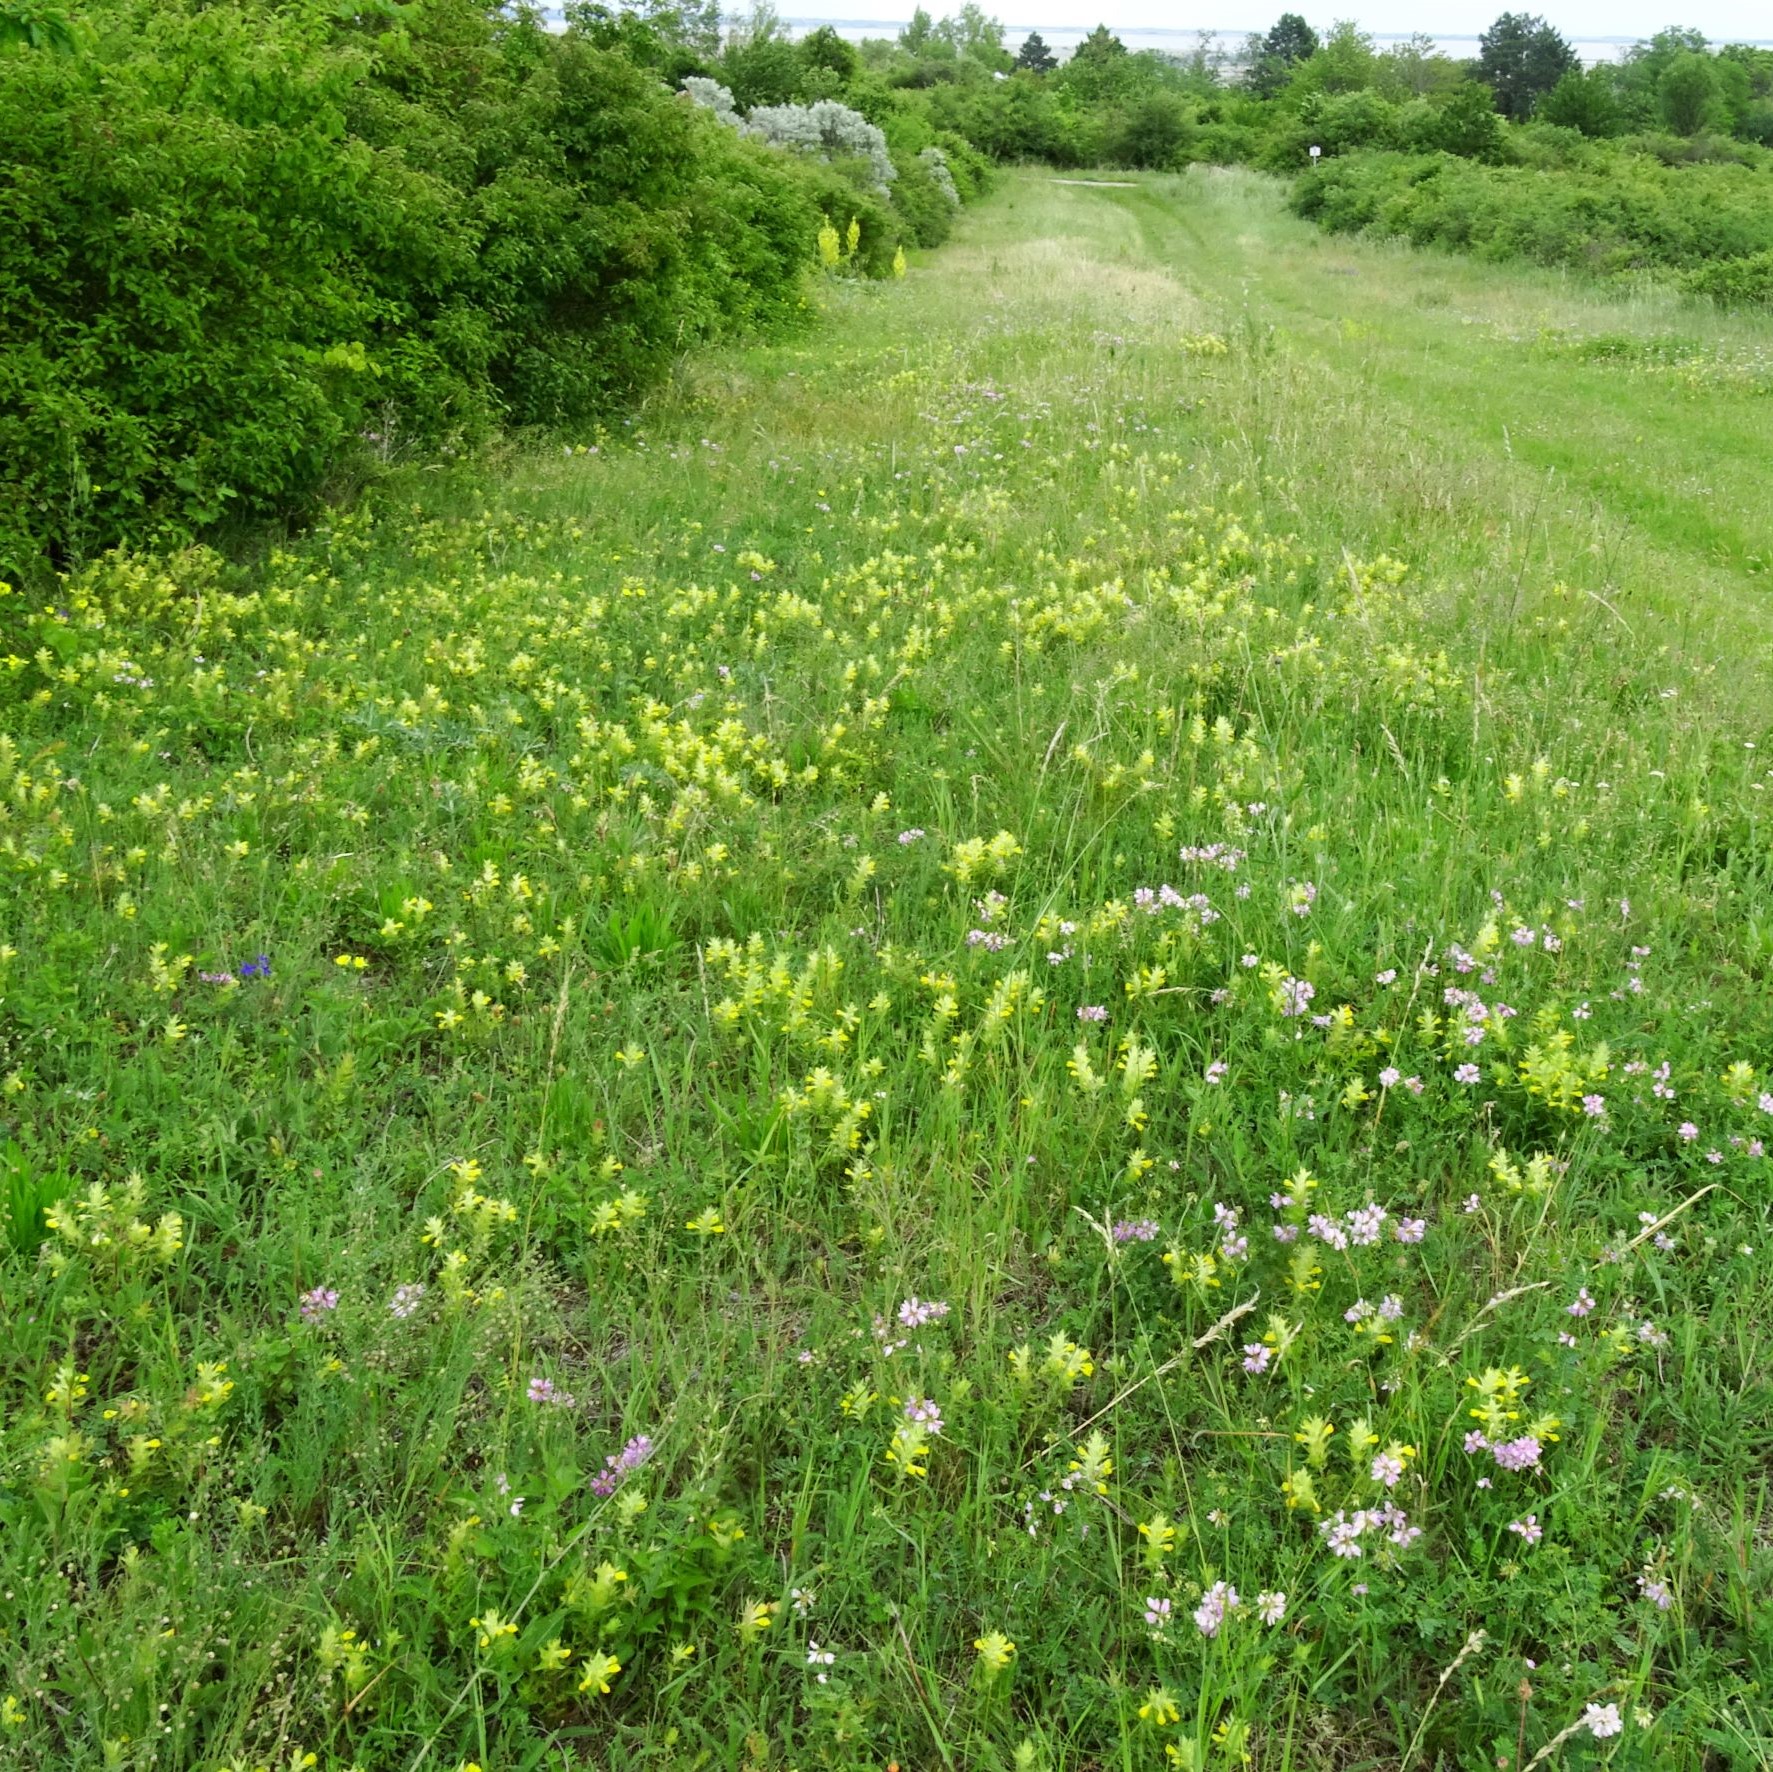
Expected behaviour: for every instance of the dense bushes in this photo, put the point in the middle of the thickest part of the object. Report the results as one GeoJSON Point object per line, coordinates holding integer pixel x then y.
{"type": "Point", "coordinates": [1738, 281]}
{"type": "Point", "coordinates": [1606, 211]}
{"type": "Point", "coordinates": [246, 246]}
{"type": "Point", "coordinates": [249, 246]}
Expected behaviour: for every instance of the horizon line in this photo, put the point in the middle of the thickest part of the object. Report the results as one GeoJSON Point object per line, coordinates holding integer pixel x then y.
{"type": "Point", "coordinates": [898, 24]}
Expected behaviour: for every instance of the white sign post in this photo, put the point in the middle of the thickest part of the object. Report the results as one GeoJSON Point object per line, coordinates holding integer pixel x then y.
{"type": "Point", "coordinates": [1316, 151]}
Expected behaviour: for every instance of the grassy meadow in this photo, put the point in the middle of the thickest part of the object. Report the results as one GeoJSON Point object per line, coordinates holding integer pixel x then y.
{"type": "Point", "coordinates": [1036, 1033]}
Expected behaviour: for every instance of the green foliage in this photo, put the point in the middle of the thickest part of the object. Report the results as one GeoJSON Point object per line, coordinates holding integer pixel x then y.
{"type": "Point", "coordinates": [917, 196]}
{"type": "Point", "coordinates": [600, 1235]}
{"type": "Point", "coordinates": [1609, 211]}
{"type": "Point", "coordinates": [1035, 56]}
{"type": "Point", "coordinates": [36, 25]}
{"type": "Point", "coordinates": [1746, 281]}
{"type": "Point", "coordinates": [1689, 93]}
{"type": "Point", "coordinates": [253, 252]}
{"type": "Point", "coordinates": [1273, 58]}
{"type": "Point", "coordinates": [1584, 100]}
{"type": "Point", "coordinates": [1522, 58]}
{"type": "Point", "coordinates": [26, 1194]}
{"type": "Point", "coordinates": [1150, 133]}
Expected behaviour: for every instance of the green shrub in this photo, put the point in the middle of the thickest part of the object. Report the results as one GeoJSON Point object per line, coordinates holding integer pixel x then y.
{"type": "Point", "coordinates": [926, 209]}
{"type": "Point", "coordinates": [247, 248]}
{"type": "Point", "coordinates": [1612, 211]}
{"type": "Point", "coordinates": [1745, 281]}
{"type": "Point", "coordinates": [1152, 133]}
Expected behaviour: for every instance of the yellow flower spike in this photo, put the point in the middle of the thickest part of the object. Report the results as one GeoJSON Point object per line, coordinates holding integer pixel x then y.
{"type": "Point", "coordinates": [1160, 1708]}
{"type": "Point", "coordinates": [493, 1630]}
{"type": "Point", "coordinates": [1159, 1534]}
{"type": "Point", "coordinates": [996, 1652]}
{"type": "Point", "coordinates": [599, 1671]}
{"type": "Point", "coordinates": [706, 1223]}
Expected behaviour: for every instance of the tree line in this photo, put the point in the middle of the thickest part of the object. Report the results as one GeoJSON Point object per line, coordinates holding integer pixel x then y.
{"type": "Point", "coordinates": [252, 251]}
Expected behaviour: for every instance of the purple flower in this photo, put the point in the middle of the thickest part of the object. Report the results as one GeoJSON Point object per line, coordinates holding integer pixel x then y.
{"type": "Point", "coordinates": [1091, 1012]}
{"type": "Point", "coordinates": [1603, 1720]}
{"type": "Point", "coordinates": [406, 1299]}
{"type": "Point", "coordinates": [1157, 1611]}
{"type": "Point", "coordinates": [1256, 1357]}
{"type": "Point", "coordinates": [1583, 1305]}
{"type": "Point", "coordinates": [1296, 995]}
{"type": "Point", "coordinates": [1529, 1528]}
{"type": "Point", "coordinates": [1216, 1604]}
{"type": "Point", "coordinates": [1656, 1592]}
{"type": "Point", "coordinates": [1687, 1131]}
{"type": "Point", "coordinates": [1388, 1469]}
{"type": "Point", "coordinates": [1343, 1535]}
{"type": "Point", "coordinates": [1390, 1077]}
{"type": "Point", "coordinates": [317, 1303]}
{"type": "Point", "coordinates": [1135, 1230]}
{"type": "Point", "coordinates": [1327, 1231]}
{"type": "Point", "coordinates": [1410, 1230]}
{"type": "Point", "coordinates": [1518, 1455]}
{"type": "Point", "coordinates": [1216, 1072]}
{"type": "Point", "coordinates": [619, 1464]}
{"type": "Point", "coordinates": [258, 968]}
{"type": "Point", "coordinates": [1595, 1106]}
{"type": "Point", "coordinates": [1467, 1073]}
{"type": "Point", "coordinates": [923, 1410]}
{"type": "Point", "coordinates": [915, 1312]}
{"type": "Point", "coordinates": [1364, 1225]}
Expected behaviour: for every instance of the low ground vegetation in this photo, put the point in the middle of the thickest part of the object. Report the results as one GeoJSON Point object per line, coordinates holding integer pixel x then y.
{"type": "Point", "coordinates": [255, 253]}
{"type": "Point", "coordinates": [942, 1056]}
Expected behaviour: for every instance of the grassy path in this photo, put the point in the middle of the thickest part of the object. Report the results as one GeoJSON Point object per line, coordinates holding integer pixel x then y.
{"type": "Point", "coordinates": [1493, 416]}
{"type": "Point", "coordinates": [1034, 1034]}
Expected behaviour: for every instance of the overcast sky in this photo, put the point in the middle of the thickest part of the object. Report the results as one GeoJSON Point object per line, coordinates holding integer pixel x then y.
{"type": "Point", "coordinates": [1723, 20]}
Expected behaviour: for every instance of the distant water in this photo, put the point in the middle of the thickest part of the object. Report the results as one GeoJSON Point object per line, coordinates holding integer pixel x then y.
{"type": "Point", "coordinates": [1185, 43]}
{"type": "Point", "coordinates": [1182, 43]}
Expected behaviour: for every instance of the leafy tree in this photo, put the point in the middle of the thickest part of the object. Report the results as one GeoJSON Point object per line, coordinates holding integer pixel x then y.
{"type": "Point", "coordinates": [1274, 57]}
{"type": "Point", "coordinates": [760, 65]}
{"type": "Point", "coordinates": [918, 36]}
{"type": "Point", "coordinates": [1291, 40]}
{"type": "Point", "coordinates": [1099, 67]}
{"type": "Point", "coordinates": [1521, 58]}
{"type": "Point", "coordinates": [1415, 68]}
{"type": "Point", "coordinates": [1582, 100]}
{"type": "Point", "coordinates": [1101, 45]}
{"type": "Point", "coordinates": [1467, 123]}
{"type": "Point", "coordinates": [35, 24]}
{"type": "Point", "coordinates": [1344, 62]}
{"type": "Point", "coordinates": [1688, 93]}
{"type": "Point", "coordinates": [823, 48]}
{"type": "Point", "coordinates": [975, 34]}
{"type": "Point", "coordinates": [1152, 133]}
{"type": "Point", "coordinates": [1035, 56]}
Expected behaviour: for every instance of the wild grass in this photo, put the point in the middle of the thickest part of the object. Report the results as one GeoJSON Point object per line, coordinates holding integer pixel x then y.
{"type": "Point", "coordinates": [917, 1062]}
